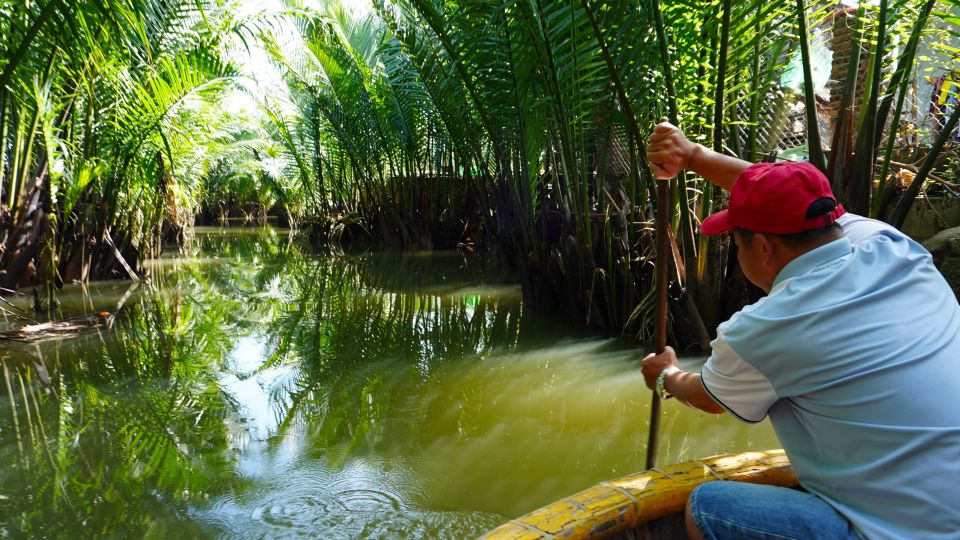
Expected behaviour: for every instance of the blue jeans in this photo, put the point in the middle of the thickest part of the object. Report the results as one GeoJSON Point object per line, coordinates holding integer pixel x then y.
{"type": "Point", "coordinates": [724, 510]}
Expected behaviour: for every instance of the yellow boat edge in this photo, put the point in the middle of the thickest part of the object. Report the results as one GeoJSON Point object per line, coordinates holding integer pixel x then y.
{"type": "Point", "coordinates": [616, 505]}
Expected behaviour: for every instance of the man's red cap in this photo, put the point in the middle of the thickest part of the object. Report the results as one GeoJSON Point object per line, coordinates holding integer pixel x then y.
{"type": "Point", "coordinates": [773, 198]}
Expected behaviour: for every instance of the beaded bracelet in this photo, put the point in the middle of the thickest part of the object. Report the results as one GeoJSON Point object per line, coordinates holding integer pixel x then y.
{"type": "Point", "coordinates": [661, 391]}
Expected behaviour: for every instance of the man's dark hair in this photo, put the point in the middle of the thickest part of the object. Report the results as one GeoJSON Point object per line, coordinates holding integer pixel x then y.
{"type": "Point", "coordinates": [818, 208]}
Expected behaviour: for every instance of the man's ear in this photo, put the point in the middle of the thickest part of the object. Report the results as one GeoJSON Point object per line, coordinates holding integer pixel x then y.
{"type": "Point", "coordinates": [767, 247]}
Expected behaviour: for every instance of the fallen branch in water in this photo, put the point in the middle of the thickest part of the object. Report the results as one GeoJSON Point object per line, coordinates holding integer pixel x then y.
{"type": "Point", "coordinates": [64, 329]}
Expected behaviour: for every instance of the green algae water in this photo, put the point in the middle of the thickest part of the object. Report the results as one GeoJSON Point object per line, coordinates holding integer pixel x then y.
{"type": "Point", "coordinates": [253, 389]}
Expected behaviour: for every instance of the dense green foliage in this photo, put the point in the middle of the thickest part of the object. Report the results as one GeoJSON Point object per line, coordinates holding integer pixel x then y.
{"type": "Point", "coordinates": [105, 119]}
{"type": "Point", "coordinates": [541, 111]}
{"type": "Point", "coordinates": [518, 126]}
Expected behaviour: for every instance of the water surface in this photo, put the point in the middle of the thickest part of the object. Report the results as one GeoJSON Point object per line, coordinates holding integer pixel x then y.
{"type": "Point", "coordinates": [252, 389]}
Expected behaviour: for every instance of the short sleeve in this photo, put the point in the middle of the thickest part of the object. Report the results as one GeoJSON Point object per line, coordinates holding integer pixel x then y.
{"type": "Point", "coordinates": [735, 384]}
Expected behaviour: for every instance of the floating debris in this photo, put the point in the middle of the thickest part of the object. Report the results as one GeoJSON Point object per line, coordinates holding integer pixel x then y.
{"type": "Point", "coordinates": [63, 329]}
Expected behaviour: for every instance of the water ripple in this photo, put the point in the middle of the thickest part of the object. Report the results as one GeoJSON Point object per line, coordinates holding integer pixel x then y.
{"type": "Point", "coordinates": [309, 499]}
{"type": "Point", "coordinates": [367, 500]}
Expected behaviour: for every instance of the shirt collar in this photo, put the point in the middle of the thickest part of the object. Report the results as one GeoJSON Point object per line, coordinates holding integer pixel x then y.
{"type": "Point", "coordinates": [814, 258]}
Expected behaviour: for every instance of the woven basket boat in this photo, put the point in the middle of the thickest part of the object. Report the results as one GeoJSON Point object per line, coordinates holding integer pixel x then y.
{"type": "Point", "coordinates": [646, 504]}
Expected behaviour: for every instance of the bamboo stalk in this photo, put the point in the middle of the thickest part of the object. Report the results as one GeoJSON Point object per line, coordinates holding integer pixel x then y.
{"type": "Point", "coordinates": [3, 135]}
{"type": "Point", "coordinates": [752, 139]}
{"type": "Point", "coordinates": [860, 182]}
{"type": "Point", "coordinates": [14, 187]}
{"type": "Point", "coordinates": [840, 147]}
{"type": "Point", "coordinates": [814, 146]}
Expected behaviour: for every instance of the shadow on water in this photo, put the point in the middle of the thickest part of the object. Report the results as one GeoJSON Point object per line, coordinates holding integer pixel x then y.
{"type": "Point", "coordinates": [253, 389]}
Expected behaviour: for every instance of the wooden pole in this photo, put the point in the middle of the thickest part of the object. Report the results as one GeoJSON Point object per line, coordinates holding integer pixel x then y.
{"type": "Point", "coordinates": [662, 273]}
{"type": "Point", "coordinates": [662, 222]}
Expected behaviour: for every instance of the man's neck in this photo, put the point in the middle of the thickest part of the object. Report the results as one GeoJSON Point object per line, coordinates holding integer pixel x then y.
{"type": "Point", "coordinates": [786, 253]}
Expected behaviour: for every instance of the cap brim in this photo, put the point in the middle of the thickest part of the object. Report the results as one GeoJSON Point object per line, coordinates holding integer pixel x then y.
{"type": "Point", "coordinates": [718, 223]}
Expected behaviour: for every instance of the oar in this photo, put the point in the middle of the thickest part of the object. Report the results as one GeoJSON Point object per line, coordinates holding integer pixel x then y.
{"type": "Point", "coordinates": [662, 271]}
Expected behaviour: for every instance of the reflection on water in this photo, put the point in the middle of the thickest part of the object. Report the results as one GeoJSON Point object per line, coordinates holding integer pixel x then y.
{"type": "Point", "coordinates": [254, 390]}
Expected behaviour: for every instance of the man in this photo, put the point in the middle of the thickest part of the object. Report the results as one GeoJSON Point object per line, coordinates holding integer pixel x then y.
{"type": "Point", "coordinates": [854, 354]}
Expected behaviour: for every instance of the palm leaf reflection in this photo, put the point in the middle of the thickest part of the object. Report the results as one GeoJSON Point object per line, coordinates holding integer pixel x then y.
{"type": "Point", "coordinates": [123, 429]}
{"type": "Point", "coordinates": [366, 341]}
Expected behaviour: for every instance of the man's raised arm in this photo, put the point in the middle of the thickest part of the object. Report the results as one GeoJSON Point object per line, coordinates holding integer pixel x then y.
{"type": "Point", "coordinates": [670, 152]}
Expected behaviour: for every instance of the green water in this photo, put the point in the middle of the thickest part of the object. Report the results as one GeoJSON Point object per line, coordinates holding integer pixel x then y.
{"type": "Point", "coordinates": [252, 389]}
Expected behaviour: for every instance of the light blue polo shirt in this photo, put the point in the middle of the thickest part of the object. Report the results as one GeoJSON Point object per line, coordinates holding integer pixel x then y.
{"type": "Point", "coordinates": [855, 356]}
